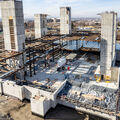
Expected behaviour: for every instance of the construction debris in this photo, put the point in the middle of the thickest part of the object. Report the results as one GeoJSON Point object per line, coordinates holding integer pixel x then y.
{"type": "Point", "coordinates": [93, 95]}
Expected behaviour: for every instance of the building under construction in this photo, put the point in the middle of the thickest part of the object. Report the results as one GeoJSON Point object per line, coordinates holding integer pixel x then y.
{"type": "Point", "coordinates": [78, 70]}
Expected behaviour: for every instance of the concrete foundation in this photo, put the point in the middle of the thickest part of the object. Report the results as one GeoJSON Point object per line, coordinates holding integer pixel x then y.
{"type": "Point", "coordinates": [10, 88]}
{"type": "Point", "coordinates": [40, 25]}
{"type": "Point", "coordinates": [65, 20]}
{"type": "Point", "coordinates": [108, 42]}
{"type": "Point", "coordinates": [40, 105]}
{"type": "Point", "coordinates": [42, 101]}
{"type": "Point", "coordinates": [89, 111]}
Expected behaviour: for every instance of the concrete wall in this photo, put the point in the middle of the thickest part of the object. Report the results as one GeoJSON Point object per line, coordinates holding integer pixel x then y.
{"type": "Point", "coordinates": [115, 77]}
{"type": "Point", "coordinates": [115, 74]}
{"type": "Point", "coordinates": [29, 92]}
{"type": "Point", "coordinates": [40, 25]}
{"type": "Point", "coordinates": [13, 10]}
{"type": "Point", "coordinates": [65, 20]}
{"type": "Point", "coordinates": [10, 88]}
{"type": "Point", "coordinates": [89, 111]}
{"type": "Point", "coordinates": [108, 42]}
{"type": "Point", "coordinates": [40, 106]}
{"type": "Point", "coordinates": [23, 92]}
{"type": "Point", "coordinates": [56, 93]}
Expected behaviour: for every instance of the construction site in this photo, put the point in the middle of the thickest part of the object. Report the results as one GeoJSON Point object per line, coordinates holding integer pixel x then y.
{"type": "Point", "coordinates": [74, 69]}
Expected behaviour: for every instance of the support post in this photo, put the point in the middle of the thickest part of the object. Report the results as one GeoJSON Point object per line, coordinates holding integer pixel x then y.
{"type": "Point", "coordinates": [30, 63]}
{"type": "Point", "coordinates": [53, 52]}
{"type": "Point", "coordinates": [45, 59]}
{"type": "Point", "coordinates": [34, 62]}
{"type": "Point", "coordinates": [23, 64]}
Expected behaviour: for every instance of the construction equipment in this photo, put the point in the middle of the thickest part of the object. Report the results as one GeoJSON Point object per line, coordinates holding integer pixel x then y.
{"type": "Point", "coordinates": [107, 79]}
{"type": "Point", "coordinates": [98, 78]}
{"type": "Point", "coordinates": [97, 74]}
{"type": "Point", "coordinates": [60, 63]}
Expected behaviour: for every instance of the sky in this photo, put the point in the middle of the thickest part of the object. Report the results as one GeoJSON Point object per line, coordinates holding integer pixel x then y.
{"type": "Point", "coordinates": [80, 8]}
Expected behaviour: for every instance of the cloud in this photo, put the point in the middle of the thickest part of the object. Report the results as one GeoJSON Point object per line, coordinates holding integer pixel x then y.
{"type": "Point", "coordinates": [80, 8]}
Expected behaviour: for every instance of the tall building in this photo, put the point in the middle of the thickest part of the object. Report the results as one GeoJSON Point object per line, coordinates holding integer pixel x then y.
{"type": "Point", "coordinates": [13, 25]}
{"type": "Point", "coordinates": [65, 20]}
{"type": "Point", "coordinates": [108, 42]}
{"type": "Point", "coordinates": [40, 25]}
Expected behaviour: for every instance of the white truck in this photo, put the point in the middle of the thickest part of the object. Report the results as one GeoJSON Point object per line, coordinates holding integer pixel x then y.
{"type": "Point", "coordinates": [61, 63]}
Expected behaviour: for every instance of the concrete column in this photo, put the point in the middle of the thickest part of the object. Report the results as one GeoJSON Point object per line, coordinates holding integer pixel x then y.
{"type": "Point", "coordinates": [65, 20]}
{"type": "Point", "coordinates": [108, 42]}
{"type": "Point", "coordinates": [13, 25]}
{"type": "Point", "coordinates": [40, 25]}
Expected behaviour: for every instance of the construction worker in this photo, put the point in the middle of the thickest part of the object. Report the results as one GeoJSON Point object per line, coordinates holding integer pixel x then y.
{"type": "Point", "coordinates": [68, 68]}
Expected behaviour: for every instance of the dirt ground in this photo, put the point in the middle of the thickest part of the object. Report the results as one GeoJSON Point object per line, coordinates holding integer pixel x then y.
{"type": "Point", "coordinates": [13, 109]}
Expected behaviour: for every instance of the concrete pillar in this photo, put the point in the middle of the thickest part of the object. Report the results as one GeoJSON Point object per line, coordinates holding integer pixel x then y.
{"type": "Point", "coordinates": [108, 42]}
{"type": "Point", "coordinates": [65, 20]}
{"type": "Point", "coordinates": [40, 25]}
{"type": "Point", "coordinates": [13, 25]}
